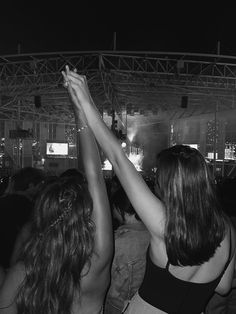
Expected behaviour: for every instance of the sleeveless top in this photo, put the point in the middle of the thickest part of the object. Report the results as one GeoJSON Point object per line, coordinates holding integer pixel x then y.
{"type": "Point", "coordinates": [170, 294]}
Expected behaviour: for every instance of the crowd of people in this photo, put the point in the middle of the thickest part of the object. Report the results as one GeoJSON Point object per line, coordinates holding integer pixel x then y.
{"type": "Point", "coordinates": [82, 243]}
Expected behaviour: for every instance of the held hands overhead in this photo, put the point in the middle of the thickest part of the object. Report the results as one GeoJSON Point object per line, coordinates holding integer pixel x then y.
{"type": "Point", "coordinates": [77, 87]}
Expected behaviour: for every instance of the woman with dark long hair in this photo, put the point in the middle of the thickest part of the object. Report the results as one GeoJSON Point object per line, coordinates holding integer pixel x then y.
{"type": "Point", "coordinates": [192, 246]}
{"type": "Point", "coordinates": [65, 264]}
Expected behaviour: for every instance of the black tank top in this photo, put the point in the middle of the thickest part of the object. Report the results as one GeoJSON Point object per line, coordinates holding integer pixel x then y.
{"type": "Point", "coordinates": [172, 295]}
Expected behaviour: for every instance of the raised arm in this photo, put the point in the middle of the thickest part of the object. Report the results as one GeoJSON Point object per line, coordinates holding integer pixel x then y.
{"type": "Point", "coordinates": [97, 188]}
{"type": "Point", "coordinates": [147, 205]}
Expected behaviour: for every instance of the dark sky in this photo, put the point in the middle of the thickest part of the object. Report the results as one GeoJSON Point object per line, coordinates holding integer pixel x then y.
{"type": "Point", "coordinates": [193, 28]}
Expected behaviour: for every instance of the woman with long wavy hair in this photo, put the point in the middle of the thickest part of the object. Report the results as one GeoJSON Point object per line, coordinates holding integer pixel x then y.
{"type": "Point", "coordinates": [65, 264]}
{"type": "Point", "coordinates": [60, 246]}
{"type": "Point", "coordinates": [192, 247]}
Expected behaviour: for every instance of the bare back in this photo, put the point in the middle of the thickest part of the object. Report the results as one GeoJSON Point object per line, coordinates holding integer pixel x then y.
{"type": "Point", "coordinates": [93, 290]}
{"type": "Point", "coordinates": [89, 301]}
{"type": "Point", "coordinates": [205, 272]}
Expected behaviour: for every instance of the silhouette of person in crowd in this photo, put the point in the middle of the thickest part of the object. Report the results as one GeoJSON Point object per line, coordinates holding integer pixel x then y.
{"type": "Point", "coordinates": [16, 207]}
{"type": "Point", "coordinates": [74, 172]}
{"type": "Point", "coordinates": [131, 243]}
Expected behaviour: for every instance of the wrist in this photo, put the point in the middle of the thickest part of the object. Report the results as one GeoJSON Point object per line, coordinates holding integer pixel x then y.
{"type": "Point", "coordinates": [77, 111]}
{"type": "Point", "coordinates": [81, 128]}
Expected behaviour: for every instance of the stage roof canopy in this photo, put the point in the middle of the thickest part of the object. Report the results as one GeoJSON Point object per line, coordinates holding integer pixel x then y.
{"type": "Point", "coordinates": [166, 84]}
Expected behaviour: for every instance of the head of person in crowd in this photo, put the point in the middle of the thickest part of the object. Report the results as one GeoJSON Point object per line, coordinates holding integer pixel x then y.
{"type": "Point", "coordinates": [123, 211]}
{"type": "Point", "coordinates": [226, 193]}
{"type": "Point", "coordinates": [75, 173]}
{"type": "Point", "coordinates": [150, 181]}
{"type": "Point", "coordinates": [115, 184]}
{"type": "Point", "coordinates": [26, 181]}
{"type": "Point", "coordinates": [3, 184]}
{"type": "Point", "coordinates": [16, 208]}
{"type": "Point", "coordinates": [184, 185]}
{"type": "Point", "coordinates": [60, 247]}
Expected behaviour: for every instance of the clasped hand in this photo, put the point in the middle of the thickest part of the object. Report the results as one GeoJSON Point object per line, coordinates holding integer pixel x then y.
{"type": "Point", "coordinates": [77, 86]}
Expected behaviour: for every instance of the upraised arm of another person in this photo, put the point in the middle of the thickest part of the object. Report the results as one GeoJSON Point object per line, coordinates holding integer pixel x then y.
{"type": "Point", "coordinates": [97, 188]}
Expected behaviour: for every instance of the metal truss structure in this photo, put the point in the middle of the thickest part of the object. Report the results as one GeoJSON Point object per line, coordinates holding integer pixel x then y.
{"type": "Point", "coordinates": [138, 82]}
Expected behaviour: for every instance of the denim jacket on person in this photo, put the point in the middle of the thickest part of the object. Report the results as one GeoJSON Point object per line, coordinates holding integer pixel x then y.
{"type": "Point", "coordinates": [128, 267]}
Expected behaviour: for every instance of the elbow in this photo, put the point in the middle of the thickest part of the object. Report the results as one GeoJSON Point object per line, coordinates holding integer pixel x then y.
{"type": "Point", "coordinates": [117, 158]}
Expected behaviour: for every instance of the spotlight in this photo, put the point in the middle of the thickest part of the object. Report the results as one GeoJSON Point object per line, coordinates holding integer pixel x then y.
{"type": "Point", "coordinates": [184, 102]}
{"type": "Point", "coordinates": [37, 101]}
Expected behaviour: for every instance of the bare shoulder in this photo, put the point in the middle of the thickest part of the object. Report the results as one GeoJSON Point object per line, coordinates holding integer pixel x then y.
{"type": "Point", "coordinates": [14, 277]}
{"type": "Point", "coordinates": [227, 246]}
{"type": "Point", "coordinates": [227, 254]}
{"type": "Point", "coordinates": [15, 274]}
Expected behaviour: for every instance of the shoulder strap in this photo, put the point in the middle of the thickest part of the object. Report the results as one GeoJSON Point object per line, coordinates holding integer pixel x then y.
{"type": "Point", "coordinates": [230, 251]}
{"type": "Point", "coordinates": [167, 265]}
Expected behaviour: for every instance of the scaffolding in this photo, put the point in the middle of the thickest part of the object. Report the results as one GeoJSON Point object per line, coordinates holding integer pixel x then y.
{"type": "Point", "coordinates": [171, 86]}
{"type": "Point", "coordinates": [145, 80]}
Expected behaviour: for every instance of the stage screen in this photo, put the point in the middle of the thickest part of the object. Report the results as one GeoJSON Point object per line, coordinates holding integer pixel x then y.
{"type": "Point", "coordinates": [56, 149]}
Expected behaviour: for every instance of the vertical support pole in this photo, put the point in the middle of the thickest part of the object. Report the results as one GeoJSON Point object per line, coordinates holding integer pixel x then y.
{"type": "Point", "coordinates": [215, 140]}
{"type": "Point", "coordinates": [202, 140]}
{"type": "Point", "coordinates": [114, 41]}
{"type": "Point", "coordinates": [18, 140]}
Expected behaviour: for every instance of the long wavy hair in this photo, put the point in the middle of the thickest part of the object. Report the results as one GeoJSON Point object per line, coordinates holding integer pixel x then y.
{"type": "Point", "coordinates": [195, 224]}
{"type": "Point", "coordinates": [60, 247]}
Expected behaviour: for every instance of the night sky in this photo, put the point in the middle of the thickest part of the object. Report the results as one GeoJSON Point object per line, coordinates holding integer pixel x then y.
{"type": "Point", "coordinates": [192, 28]}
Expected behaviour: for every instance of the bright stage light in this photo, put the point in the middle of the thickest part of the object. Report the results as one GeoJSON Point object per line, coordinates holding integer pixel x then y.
{"type": "Point", "coordinates": [137, 160]}
{"type": "Point", "coordinates": [192, 145]}
{"type": "Point", "coordinates": [107, 165]}
{"type": "Point", "coordinates": [123, 144]}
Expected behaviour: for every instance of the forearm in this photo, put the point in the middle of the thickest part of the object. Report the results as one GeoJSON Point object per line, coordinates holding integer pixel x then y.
{"type": "Point", "coordinates": [92, 167]}
{"type": "Point", "coordinates": [106, 139]}
{"type": "Point", "coordinates": [87, 148]}
{"type": "Point", "coordinates": [83, 101]}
